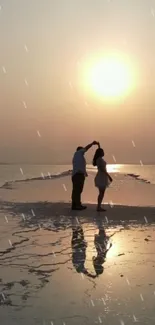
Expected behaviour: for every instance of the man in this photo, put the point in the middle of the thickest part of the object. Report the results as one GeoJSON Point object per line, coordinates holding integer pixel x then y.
{"type": "Point", "coordinates": [78, 175]}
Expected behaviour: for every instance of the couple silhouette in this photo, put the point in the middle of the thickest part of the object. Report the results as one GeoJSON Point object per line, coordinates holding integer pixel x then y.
{"type": "Point", "coordinates": [102, 179]}
{"type": "Point", "coordinates": [79, 246]}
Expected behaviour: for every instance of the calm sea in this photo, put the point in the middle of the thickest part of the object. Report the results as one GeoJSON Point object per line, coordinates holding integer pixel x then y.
{"type": "Point", "coordinates": [22, 172]}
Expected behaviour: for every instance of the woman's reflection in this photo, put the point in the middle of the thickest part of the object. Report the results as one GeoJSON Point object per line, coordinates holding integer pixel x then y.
{"type": "Point", "coordinates": [102, 245]}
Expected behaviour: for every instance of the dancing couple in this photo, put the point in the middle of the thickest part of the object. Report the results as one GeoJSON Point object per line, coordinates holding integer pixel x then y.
{"type": "Point", "coordinates": [102, 179]}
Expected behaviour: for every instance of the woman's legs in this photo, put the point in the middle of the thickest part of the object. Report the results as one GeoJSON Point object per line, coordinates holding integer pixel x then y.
{"type": "Point", "coordinates": [100, 198]}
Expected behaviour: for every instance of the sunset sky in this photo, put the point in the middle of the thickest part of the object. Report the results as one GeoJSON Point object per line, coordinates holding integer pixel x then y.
{"type": "Point", "coordinates": [45, 46]}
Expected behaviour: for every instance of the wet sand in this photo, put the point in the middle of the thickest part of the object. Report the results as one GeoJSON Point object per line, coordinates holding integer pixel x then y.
{"type": "Point", "coordinates": [65, 268]}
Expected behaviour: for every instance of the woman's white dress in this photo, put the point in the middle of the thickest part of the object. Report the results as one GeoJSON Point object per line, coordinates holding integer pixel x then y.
{"type": "Point", "coordinates": [101, 179]}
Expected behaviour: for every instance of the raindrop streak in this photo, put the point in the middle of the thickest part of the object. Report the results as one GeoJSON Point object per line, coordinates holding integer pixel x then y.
{"type": "Point", "coordinates": [23, 216]}
{"type": "Point", "coordinates": [133, 143]}
{"type": "Point", "coordinates": [111, 204]}
{"type": "Point", "coordinates": [24, 104]}
{"type": "Point", "coordinates": [4, 70]}
{"type": "Point", "coordinates": [92, 303]}
{"type": "Point", "coordinates": [134, 318]}
{"type": "Point", "coordinates": [122, 323]}
{"type": "Point", "coordinates": [106, 219]}
{"type": "Point", "coordinates": [26, 49]}
{"type": "Point", "coordinates": [6, 219]}
{"type": "Point", "coordinates": [141, 296]}
{"type": "Point", "coordinates": [21, 171]}
{"type": "Point", "coordinates": [127, 281]}
{"type": "Point", "coordinates": [3, 296]}
{"type": "Point", "coordinates": [49, 175]}
{"type": "Point", "coordinates": [145, 219]}
{"type": "Point", "coordinates": [33, 213]}
{"type": "Point", "coordinates": [152, 12]}
{"type": "Point", "coordinates": [64, 186]}
{"type": "Point", "coordinates": [39, 135]}
{"type": "Point", "coordinates": [104, 301]}
{"type": "Point", "coordinates": [26, 82]}
{"type": "Point", "coordinates": [114, 158]}
{"type": "Point", "coordinates": [10, 242]}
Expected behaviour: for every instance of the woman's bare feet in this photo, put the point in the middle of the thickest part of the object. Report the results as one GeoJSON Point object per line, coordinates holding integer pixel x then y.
{"type": "Point", "coordinates": [99, 209]}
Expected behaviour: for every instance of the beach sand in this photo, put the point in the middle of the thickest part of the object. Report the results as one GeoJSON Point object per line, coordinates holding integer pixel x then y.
{"type": "Point", "coordinates": [46, 254]}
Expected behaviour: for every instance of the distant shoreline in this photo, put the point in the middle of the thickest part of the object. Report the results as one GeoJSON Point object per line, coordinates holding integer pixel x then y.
{"type": "Point", "coordinates": [68, 164]}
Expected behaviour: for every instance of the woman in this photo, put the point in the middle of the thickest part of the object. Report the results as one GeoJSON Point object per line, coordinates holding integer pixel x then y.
{"type": "Point", "coordinates": [102, 179]}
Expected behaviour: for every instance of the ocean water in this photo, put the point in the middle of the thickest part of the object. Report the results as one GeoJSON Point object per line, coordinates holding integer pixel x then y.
{"type": "Point", "coordinates": [13, 173]}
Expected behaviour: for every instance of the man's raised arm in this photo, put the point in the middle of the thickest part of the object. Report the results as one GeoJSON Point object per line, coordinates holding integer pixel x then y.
{"type": "Point", "coordinates": [90, 145]}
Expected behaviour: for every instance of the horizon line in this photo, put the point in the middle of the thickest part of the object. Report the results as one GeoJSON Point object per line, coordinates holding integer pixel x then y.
{"type": "Point", "coordinates": [66, 163]}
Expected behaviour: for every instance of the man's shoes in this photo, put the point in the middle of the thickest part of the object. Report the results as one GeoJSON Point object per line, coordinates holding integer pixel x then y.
{"type": "Point", "coordinates": [81, 207]}
{"type": "Point", "coordinates": [84, 207]}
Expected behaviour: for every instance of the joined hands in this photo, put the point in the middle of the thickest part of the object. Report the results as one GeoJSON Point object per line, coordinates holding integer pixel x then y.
{"type": "Point", "coordinates": [96, 143]}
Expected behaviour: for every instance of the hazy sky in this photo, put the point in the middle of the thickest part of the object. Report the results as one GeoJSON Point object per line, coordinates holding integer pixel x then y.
{"type": "Point", "coordinates": [44, 113]}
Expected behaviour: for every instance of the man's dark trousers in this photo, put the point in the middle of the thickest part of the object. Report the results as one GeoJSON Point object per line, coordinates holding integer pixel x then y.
{"type": "Point", "coordinates": [78, 183]}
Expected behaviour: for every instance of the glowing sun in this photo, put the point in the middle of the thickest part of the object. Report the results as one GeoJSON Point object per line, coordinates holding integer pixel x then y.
{"type": "Point", "coordinates": [109, 77]}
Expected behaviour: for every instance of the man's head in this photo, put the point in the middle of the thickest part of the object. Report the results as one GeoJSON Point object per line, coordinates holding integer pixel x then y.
{"type": "Point", "coordinates": [79, 148]}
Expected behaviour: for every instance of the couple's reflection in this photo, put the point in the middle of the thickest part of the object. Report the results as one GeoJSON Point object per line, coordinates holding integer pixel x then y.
{"type": "Point", "coordinates": [79, 246]}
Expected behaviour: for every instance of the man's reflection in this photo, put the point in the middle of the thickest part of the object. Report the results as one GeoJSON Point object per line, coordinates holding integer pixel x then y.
{"type": "Point", "coordinates": [79, 247]}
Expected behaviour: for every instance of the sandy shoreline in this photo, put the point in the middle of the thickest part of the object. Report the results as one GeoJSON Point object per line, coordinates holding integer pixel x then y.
{"type": "Point", "coordinates": [36, 212]}
{"type": "Point", "coordinates": [124, 190]}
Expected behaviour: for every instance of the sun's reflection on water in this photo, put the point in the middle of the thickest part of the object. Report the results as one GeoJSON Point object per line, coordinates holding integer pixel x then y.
{"type": "Point", "coordinates": [113, 250]}
{"type": "Point", "coordinates": [111, 168]}
{"type": "Point", "coordinates": [115, 168]}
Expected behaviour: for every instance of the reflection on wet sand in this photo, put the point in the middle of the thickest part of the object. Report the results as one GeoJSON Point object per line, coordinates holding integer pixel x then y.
{"type": "Point", "coordinates": [79, 247]}
{"type": "Point", "coordinates": [43, 256]}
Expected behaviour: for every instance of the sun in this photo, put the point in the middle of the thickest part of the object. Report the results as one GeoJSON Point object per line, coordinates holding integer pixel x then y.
{"type": "Point", "coordinates": [111, 76]}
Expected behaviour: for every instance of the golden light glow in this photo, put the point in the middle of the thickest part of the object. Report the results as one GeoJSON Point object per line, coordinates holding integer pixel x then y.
{"type": "Point", "coordinates": [110, 76]}
{"type": "Point", "coordinates": [113, 251]}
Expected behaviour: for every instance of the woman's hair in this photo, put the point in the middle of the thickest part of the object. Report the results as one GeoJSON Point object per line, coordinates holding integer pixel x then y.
{"type": "Point", "coordinates": [99, 153]}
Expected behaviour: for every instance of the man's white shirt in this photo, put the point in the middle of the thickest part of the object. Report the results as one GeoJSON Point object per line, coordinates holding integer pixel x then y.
{"type": "Point", "coordinates": [79, 162]}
